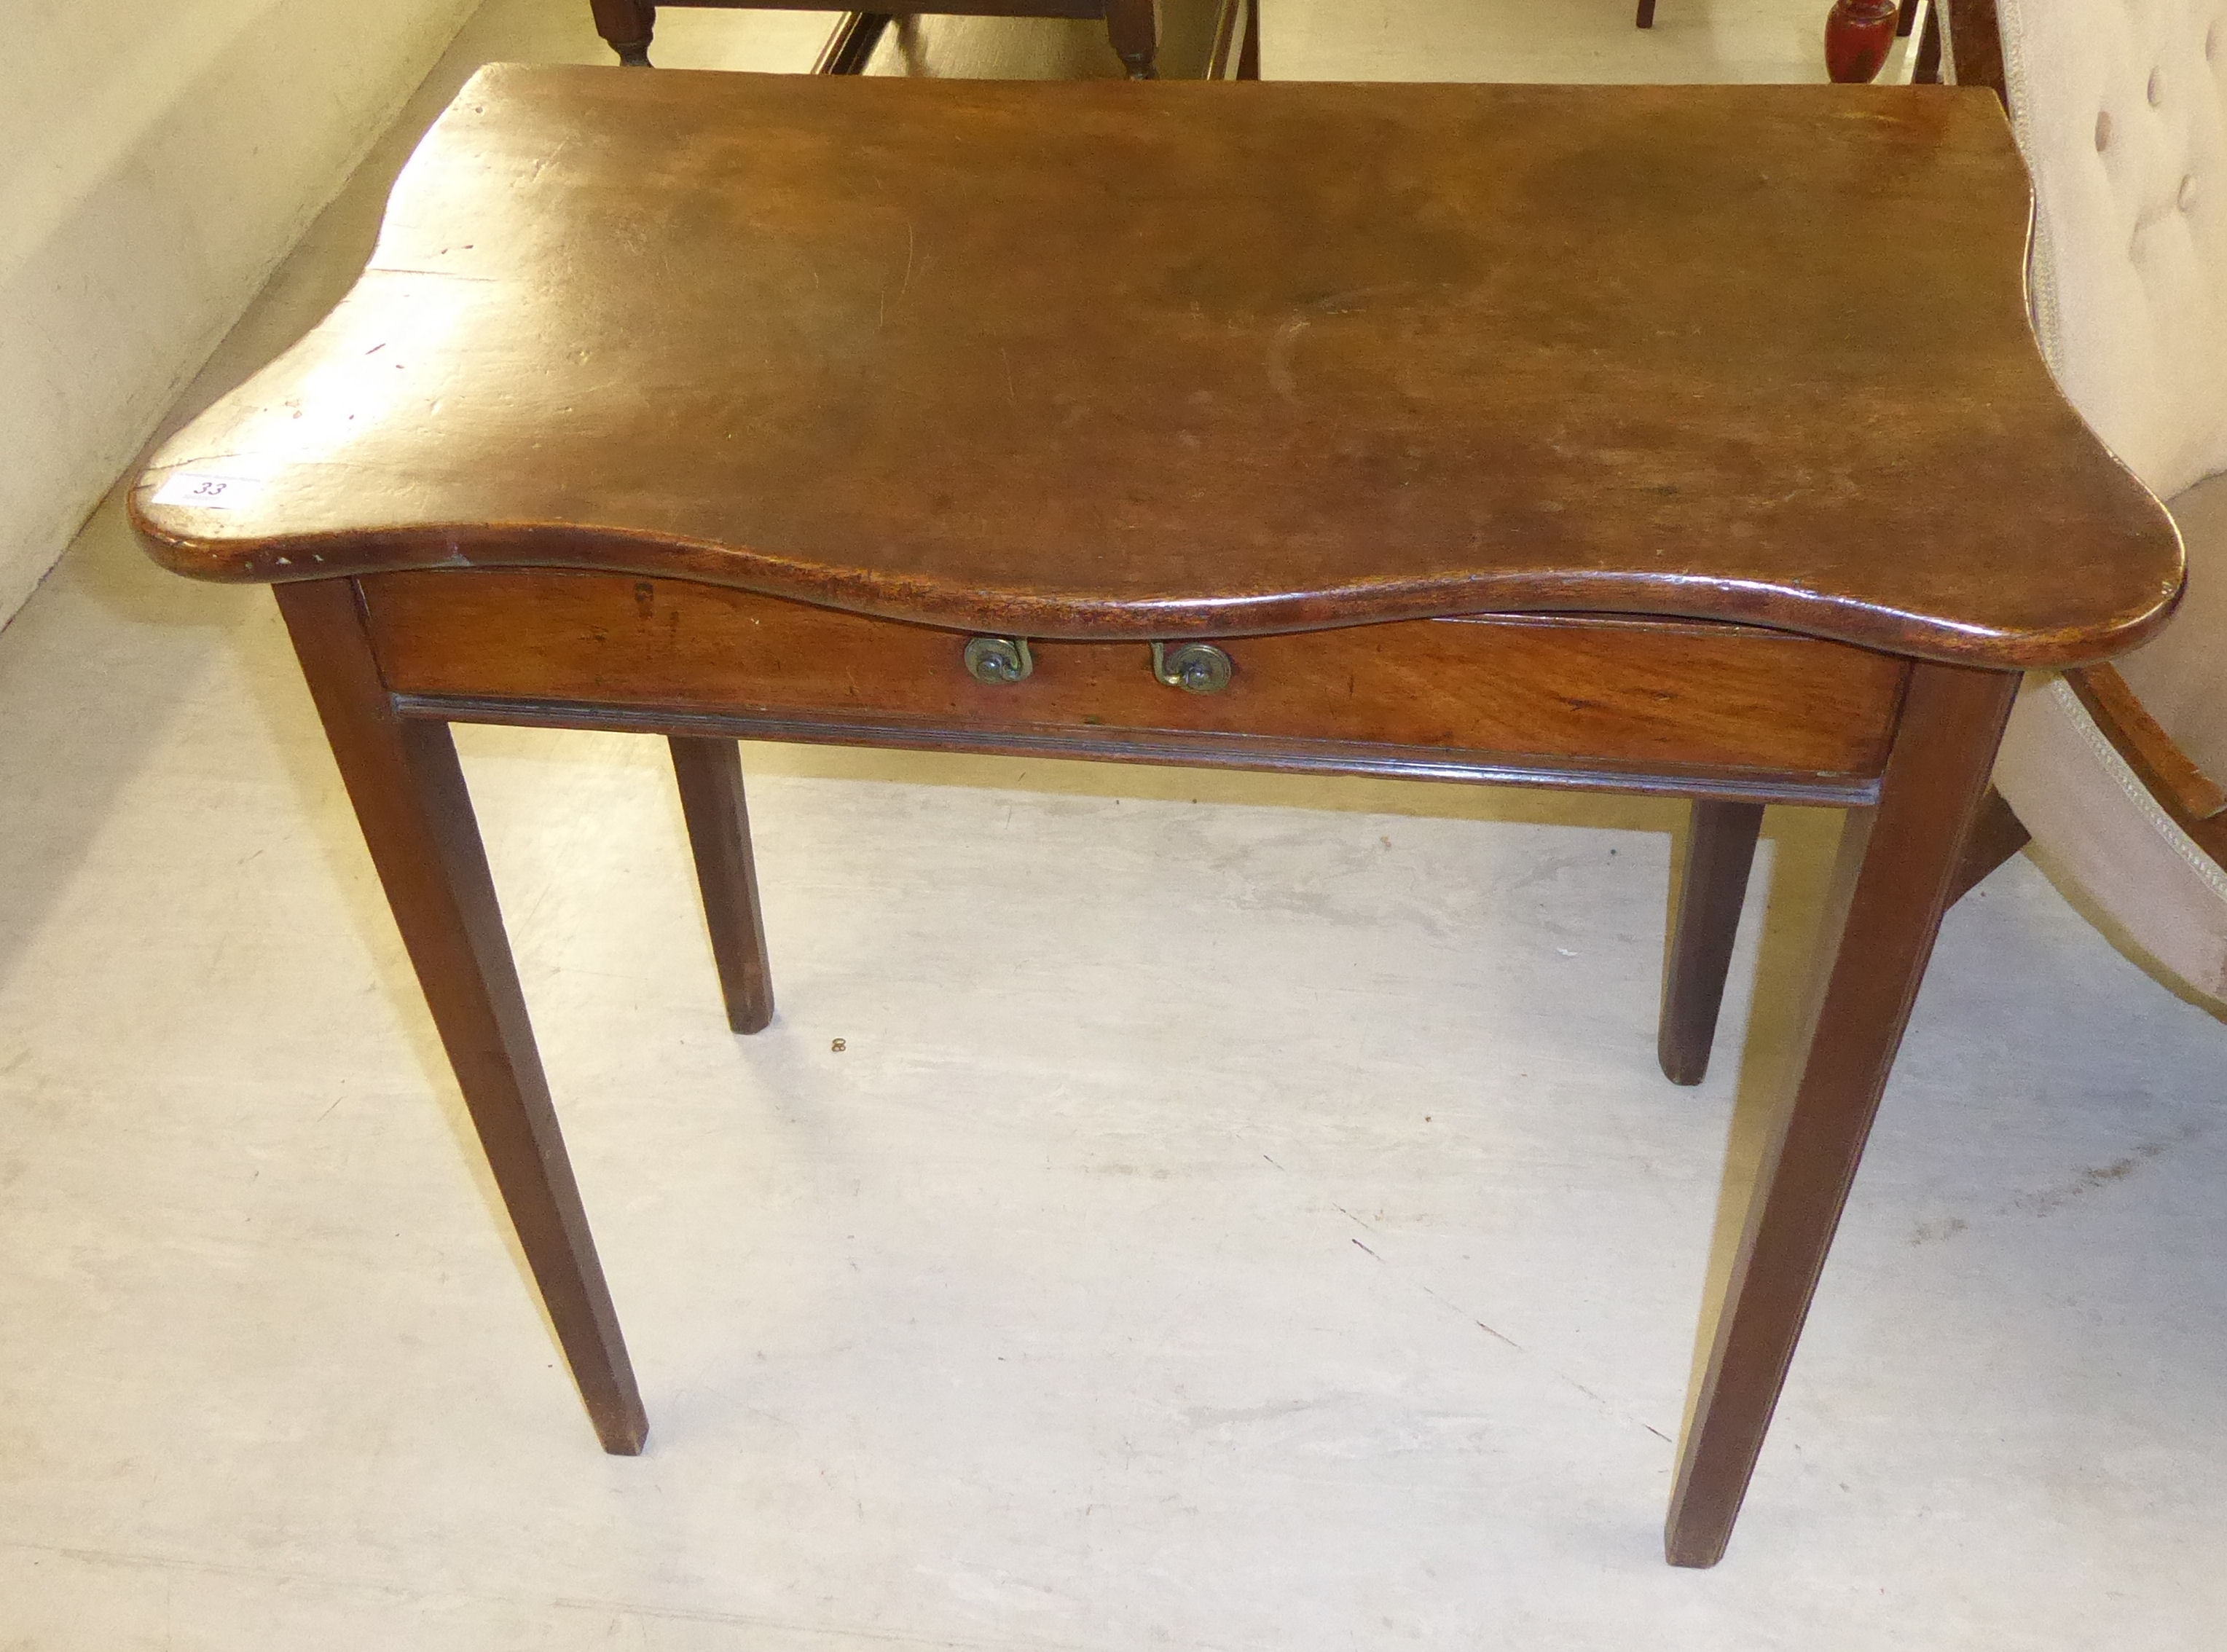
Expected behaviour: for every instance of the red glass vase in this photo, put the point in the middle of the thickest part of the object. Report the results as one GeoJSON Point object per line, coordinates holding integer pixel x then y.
{"type": "Point", "coordinates": [1859, 33]}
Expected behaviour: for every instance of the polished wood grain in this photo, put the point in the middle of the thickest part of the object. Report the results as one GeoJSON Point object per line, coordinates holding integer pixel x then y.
{"type": "Point", "coordinates": [1897, 866]}
{"type": "Point", "coordinates": [410, 800]}
{"type": "Point", "coordinates": [1662, 696]}
{"type": "Point", "coordinates": [710, 774]}
{"type": "Point", "coordinates": [1360, 353]}
{"type": "Point", "coordinates": [1719, 852]}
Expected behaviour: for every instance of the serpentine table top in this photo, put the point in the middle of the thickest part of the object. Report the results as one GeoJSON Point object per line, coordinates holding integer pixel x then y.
{"type": "Point", "coordinates": [1103, 360]}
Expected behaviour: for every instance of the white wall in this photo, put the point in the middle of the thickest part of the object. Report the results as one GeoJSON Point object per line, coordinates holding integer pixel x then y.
{"type": "Point", "coordinates": [157, 158]}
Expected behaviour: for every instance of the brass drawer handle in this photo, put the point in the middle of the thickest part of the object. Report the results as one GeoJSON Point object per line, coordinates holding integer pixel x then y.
{"type": "Point", "coordinates": [998, 661]}
{"type": "Point", "coordinates": [1195, 667]}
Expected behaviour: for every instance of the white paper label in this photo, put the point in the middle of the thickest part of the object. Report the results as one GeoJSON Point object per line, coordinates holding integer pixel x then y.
{"type": "Point", "coordinates": [206, 492]}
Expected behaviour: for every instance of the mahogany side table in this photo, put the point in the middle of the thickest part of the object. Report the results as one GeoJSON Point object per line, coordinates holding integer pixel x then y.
{"type": "Point", "coordinates": [1493, 433]}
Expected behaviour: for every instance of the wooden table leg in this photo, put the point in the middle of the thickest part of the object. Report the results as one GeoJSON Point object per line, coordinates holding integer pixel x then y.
{"type": "Point", "coordinates": [710, 776]}
{"type": "Point", "coordinates": [1712, 889]}
{"type": "Point", "coordinates": [409, 797]}
{"type": "Point", "coordinates": [1897, 862]}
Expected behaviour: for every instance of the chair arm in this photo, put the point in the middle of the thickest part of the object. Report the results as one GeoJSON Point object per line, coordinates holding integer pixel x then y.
{"type": "Point", "coordinates": [2197, 803]}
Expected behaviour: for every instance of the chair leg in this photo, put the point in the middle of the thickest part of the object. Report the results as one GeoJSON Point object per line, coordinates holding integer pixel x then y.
{"type": "Point", "coordinates": [1248, 51]}
{"type": "Point", "coordinates": [1997, 835]}
{"type": "Point", "coordinates": [851, 47]}
{"type": "Point", "coordinates": [710, 773]}
{"type": "Point", "coordinates": [1134, 26]}
{"type": "Point", "coordinates": [1926, 71]}
{"type": "Point", "coordinates": [1897, 862]}
{"type": "Point", "coordinates": [1712, 889]}
{"type": "Point", "coordinates": [1646, 14]}
{"type": "Point", "coordinates": [409, 797]}
{"type": "Point", "coordinates": [626, 27]}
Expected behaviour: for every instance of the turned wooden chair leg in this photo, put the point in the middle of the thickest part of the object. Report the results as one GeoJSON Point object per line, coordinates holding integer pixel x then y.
{"type": "Point", "coordinates": [710, 773]}
{"type": "Point", "coordinates": [626, 27]}
{"type": "Point", "coordinates": [1891, 884]}
{"type": "Point", "coordinates": [1134, 26]}
{"type": "Point", "coordinates": [409, 797]}
{"type": "Point", "coordinates": [1712, 889]}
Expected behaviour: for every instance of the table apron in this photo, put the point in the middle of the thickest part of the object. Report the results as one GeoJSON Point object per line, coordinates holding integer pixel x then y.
{"type": "Point", "coordinates": [1157, 747]}
{"type": "Point", "coordinates": [1603, 702]}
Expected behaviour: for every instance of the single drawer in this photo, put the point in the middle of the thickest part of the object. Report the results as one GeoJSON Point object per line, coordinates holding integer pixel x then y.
{"type": "Point", "coordinates": [1523, 691]}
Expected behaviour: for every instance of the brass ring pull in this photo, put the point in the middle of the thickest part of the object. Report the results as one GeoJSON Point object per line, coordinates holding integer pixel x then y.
{"type": "Point", "coordinates": [1195, 667]}
{"type": "Point", "coordinates": [998, 661]}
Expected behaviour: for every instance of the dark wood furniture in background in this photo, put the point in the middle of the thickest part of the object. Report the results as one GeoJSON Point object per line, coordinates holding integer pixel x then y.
{"type": "Point", "coordinates": [1348, 422]}
{"type": "Point", "coordinates": [1131, 26]}
{"type": "Point", "coordinates": [1971, 42]}
{"type": "Point", "coordinates": [1959, 35]}
{"type": "Point", "coordinates": [1859, 35]}
{"type": "Point", "coordinates": [1199, 40]}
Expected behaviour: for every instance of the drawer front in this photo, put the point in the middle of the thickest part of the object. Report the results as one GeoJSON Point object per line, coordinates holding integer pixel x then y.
{"type": "Point", "coordinates": [1546, 690]}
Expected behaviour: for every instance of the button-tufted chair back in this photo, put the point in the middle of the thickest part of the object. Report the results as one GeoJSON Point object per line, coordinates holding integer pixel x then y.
{"type": "Point", "coordinates": [2120, 105]}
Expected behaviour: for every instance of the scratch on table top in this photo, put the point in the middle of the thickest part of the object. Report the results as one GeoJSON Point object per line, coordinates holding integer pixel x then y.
{"type": "Point", "coordinates": [1280, 378]}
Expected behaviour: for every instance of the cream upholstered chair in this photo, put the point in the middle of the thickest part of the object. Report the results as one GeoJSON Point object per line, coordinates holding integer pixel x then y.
{"type": "Point", "coordinates": [2121, 108]}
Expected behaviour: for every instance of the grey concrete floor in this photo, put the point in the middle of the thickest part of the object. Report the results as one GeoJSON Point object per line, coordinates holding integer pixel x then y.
{"type": "Point", "coordinates": [1245, 1212]}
